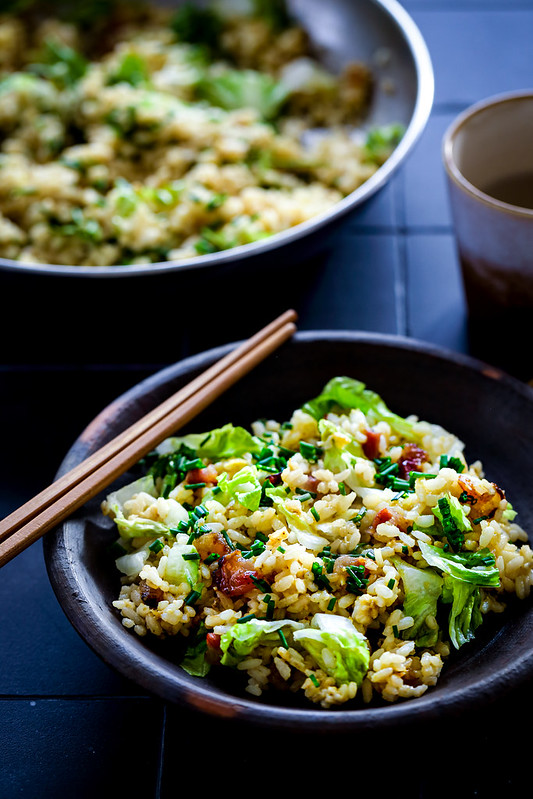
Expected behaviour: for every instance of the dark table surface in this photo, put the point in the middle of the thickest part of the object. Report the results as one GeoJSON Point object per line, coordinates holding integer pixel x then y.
{"type": "Point", "coordinates": [69, 725]}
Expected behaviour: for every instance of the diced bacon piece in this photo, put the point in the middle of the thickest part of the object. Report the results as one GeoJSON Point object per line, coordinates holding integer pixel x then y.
{"type": "Point", "coordinates": [213, 640]}
{"type": "Point", "coordinates": [207, 474]}
{"type": "Point", "coordinates": [484, 499]}
{"type": "Point", "coordinates": [311, 484]}
{"type": "Point", "coordinates": [211, 543]}
{"type": "Point", "coordinates": [150, 595]}
{"type": "Point", "coordinates": [345, 561]}
{"type": "Point", "coordinates": [234, 575]}
{"type": "Point", "coordinates": [371, 445]}
{"type": "Point", "coordinates": [393, 515]}
{"type": "Point", "coordinates": [411, 460]}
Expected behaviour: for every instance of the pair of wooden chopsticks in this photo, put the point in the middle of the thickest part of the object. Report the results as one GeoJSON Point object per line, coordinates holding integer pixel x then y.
{"type": "Point", "coordinates": [69, 492]}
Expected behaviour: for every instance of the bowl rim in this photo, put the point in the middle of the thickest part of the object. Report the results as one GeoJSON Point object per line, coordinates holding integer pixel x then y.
{"type": "Point", "coordinates": [200, 697]}
{"type": "Point", "coordinates": [425, 90]}
{"type": "Point", "coordinates": [455, 175]}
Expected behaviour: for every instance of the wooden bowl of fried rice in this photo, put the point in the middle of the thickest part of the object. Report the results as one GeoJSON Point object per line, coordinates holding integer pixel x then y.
{"type": "Point", "coordinates": [485, 409]}
{"type": "Point", "coordinates": [184, 135]}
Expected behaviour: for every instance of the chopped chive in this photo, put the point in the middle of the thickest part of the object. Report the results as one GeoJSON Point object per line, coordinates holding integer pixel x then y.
{"type": "Point", "coordinates": [228, 540]}
{"type": "Point", "coordinates": [331, 603]}
{"type": "Point", "coordinates": [466, 497]}
{"type": "Point", "coordinates": [203, 528]}
{"type": "Point", "coordinates": [391, 583]}
{"type": "Point", "coordinates": [399, 495]}
{"type": "Point", "coordinates": [405, 549]}
{"type": "Point", "coordinates": [194, 486]}
{"type": "Point", "coordinates": [359, 516]}
{"type": "Point", "coordinates": [309, 451]}
{"type": "Point", "coordinates": [395, 631]}
{"type": "Point", "coordinates": [397, 484]}
{"type": "Point", "coordinates": [305, 497]}
{"type": "Point", "coordinates": [320, 578]}
{"type": "Point", "coordinates": [169, 482]}
{"type": "Point", "coordinates": [195, 463]}
{"type": "Point", "coordinates": [283, 639]}
{"type": "Point", "coordinates": [211, 558]}
{"type": "Point", "coordinates": [217, 490]}
{"type": "Point", "coordinates": [281, 549]}
{"type": "Point", "coordinates": [183, 527]}
{"type": "Point", "coordinates": [479, 519]}
{"type": "Point", "coordinates": [315, 513]}
{"type": "Point", "coordinates": [342, 488]}
{"type": "Point", "coordinates": [451, 462]}
{"type": "Point", "coordinates": [271, 606]}
{"type": "Point", "coordinates": [199, 512]}
{"type": "Point", "coordinates": [191, 556]}
{"type": "Point", "coordinates": [192, 597]}
{"type": "Point", "coordinates": [246, 618]}
{"type": "Point", "coordinates": [261, 584]}
{"type": "Point", "coordinates": [156, 546]}
{"type": "Point", "coordinates": [314, 680]}
{"type": "Point", "coordinates": [423, 475]}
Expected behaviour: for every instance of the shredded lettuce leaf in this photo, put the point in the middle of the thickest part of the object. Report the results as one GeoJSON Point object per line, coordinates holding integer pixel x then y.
{"type": "Point", "coordinates": [305, 533]}
{"type": "Point", "coordinates": [180, 570]}
{"type": "Point", "coordinates": [337, 646]}
{"type": "Point", "coordinates": [241, 639]}
{"type": "Point", "coordinates": [478, 568]}
{"type": "Point", "coordinates": [217, 444]}
{"type": "Point", "coordinates": [465, 614]}
{"type": "Point", "coordinates": [244, 487]}
{"type": "Point", "coordinates": [131, 563]}
{"type": "Point", "coordinates": [131, 69]}
{"type": "Point", "coordinates": [339, 456]}
{"type": "Point", "coordinates": [381, 141]}
{"type": "Point", "coordinates": [422, 591]}
{"type": "Point", "coordinates": [171, 513]}
{"type": "Point", "coordinates": [346, 393]}
{"type": "Point", "coordinates": [194, 661]}
{"type": "Point", "coordinates": [244, 88]}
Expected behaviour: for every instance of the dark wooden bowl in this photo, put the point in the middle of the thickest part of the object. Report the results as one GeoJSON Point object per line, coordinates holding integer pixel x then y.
{"type": "Point", "coordinates": [490, 411]}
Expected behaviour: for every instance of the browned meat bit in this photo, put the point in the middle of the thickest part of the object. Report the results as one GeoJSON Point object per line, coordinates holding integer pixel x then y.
{"type": "Point", "coordinates": [345, 561]}
{"type": "Point", "coordinates": [211, 543]}
{"type": "Point", "coordinates": [234, 575]}
{"type": "Point", "coordinates": [371, 445]}
{"type": "Point", "coordinates": [311, 484]}
{"type": "Point", "coordinates": [207, 474]}
{"type": "Point", "coordinates": [150, 596]}
{"type": "Point", "coordinates": [411, 460]}
{"type": "Point", "coordinates": [392, 515]}
{"type": "Point", "coordinates": [213, 640]}
{"type": "Point", "coordinates": [483, 497]}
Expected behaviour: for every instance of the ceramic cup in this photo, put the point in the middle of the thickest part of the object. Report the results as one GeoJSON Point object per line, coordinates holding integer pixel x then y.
{"type": "Point", "coordinates": [488, 158]}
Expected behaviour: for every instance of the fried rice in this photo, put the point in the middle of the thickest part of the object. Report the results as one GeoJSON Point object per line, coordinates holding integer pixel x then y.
{"type": "Point", "coordinates": [343, 555]}
{"type": "Point", "coordinates": [150, 135]}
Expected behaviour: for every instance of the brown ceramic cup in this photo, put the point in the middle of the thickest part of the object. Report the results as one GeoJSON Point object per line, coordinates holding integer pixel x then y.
{"type": "Point", "coordinates": [488, 157]}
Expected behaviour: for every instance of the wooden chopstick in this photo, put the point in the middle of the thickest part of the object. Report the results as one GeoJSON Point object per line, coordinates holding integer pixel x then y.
{"type": "Point", "coordinates": [72, 490]}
